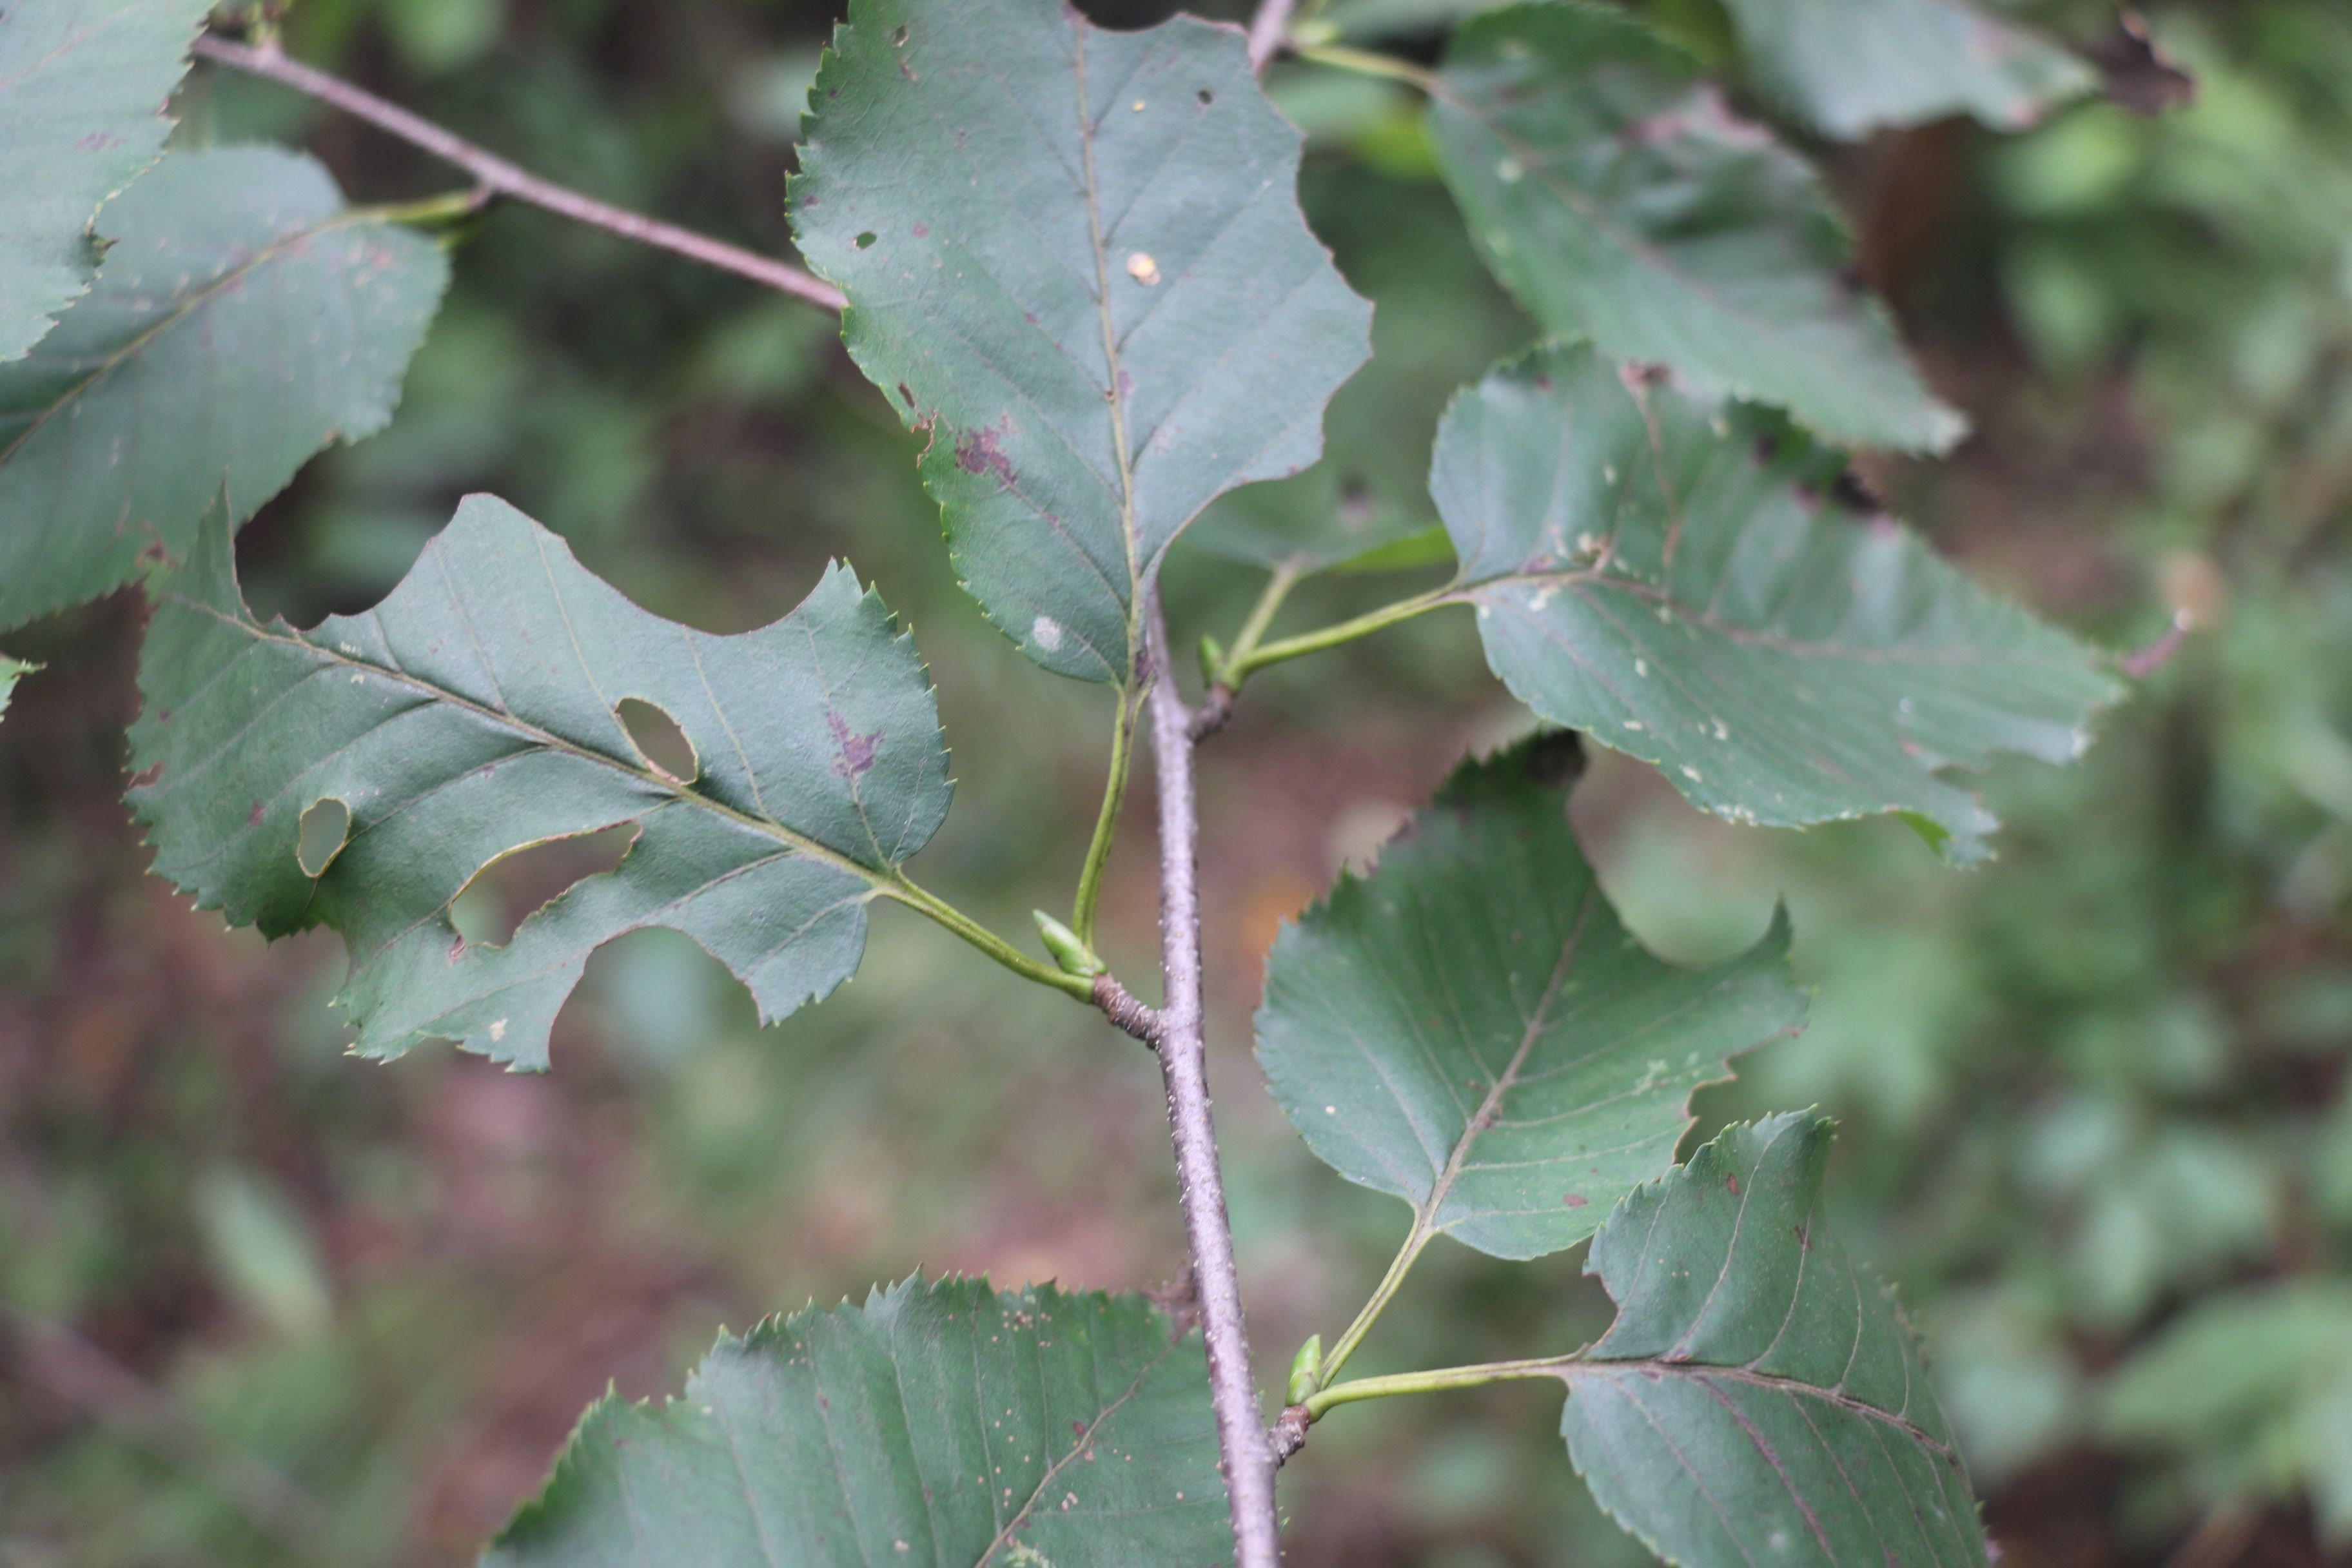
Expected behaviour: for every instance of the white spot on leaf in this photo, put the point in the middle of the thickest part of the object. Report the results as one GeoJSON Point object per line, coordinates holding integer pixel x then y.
{"type": "Point", "coordinates": [1047, 633]}
{"type": "Point", "coordinates": [1143, 270]}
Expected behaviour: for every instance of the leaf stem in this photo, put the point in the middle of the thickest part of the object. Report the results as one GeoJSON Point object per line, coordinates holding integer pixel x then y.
{"type": "Point", "coordinates": [1269, 29]}
{"type": "Point", "coordinates": [1090, 875]}
{"type": "Point", "coordinates": [1391, 1282]}
{"type": "Point", "coordinates": [1261, 617]}
{"type": "Point", "coordinates": [923, 902]}
{"type": "Point", "coordinates": [1240, 666]}
{"type": "Point", "coordinates": [1364, 62]}
{"type": "Point", "coordinates": [1438, 1381]}
{"type": "Point", "coordinates": [447, 207]}
{"type": "Point", "coordinates": [500, 177]}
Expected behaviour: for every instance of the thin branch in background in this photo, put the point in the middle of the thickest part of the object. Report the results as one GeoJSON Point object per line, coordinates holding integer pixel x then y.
{"type": "Point", "coordinates": [1246, 1459]}
{"type": "Point", "coordinates": [53, 1357]}
{"type": "Point", "coordinates": [1267, 30]}
{"type": "Point", "coordinates": [498, 177]}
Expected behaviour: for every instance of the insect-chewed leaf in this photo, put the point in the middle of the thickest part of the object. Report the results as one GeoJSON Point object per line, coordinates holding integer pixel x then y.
{"type": "Point", "coordinates": [477, 712]}
{"type": "Point", "coordinates": [244, 319]}
{"type": "Point", "coordinates": [1664, 572]}
{"type": "Point", "coordinates": [1613, 192]}
{"type": "Point", "coordinates": [82, 89]}
{"type": "Point", "coordinates": [1848, 67]}
{"type": "Point", "coordinates": [944, 1423]}
{"type": "Point", "coordinates": [1075, 257]}
{"type": "Point", "coordinates": [1471, 1029]}
{"type": "Point", "coordinates": [1759, 1399]}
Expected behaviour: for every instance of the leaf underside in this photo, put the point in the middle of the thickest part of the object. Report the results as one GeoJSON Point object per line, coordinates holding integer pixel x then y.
{"type": "Point", "coordinates": [1075, 259]}
{"type": "Point", "coordinates": [475, 711]}
{"type": "Point", "coordinates": [1758, 1399]}
{"type": "Point", "coordinates": [243, 320]}
{"type": "Point", "coordinates": [1848, 67]}
{"type": "Point", "coordinates": [1470, 1028]}
{"type": "Point", "coordinates": [1664, 572]}
{"type": "Point", "coordinates": [943, 1425]}
{"type": "Point", "coordinates": [82, 89]}
{"type": "Point", "coordinates": [1613, 193]}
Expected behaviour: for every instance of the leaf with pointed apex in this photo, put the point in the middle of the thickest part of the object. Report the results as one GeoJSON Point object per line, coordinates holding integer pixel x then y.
{"type": "Point", "coordinates": [244, 319]}
{"type": "Point", "coordinates": [1664, 572]}
{"type": "Point", "coordinates": [1471, 1029]}
{"type": "Point", "coordinates": [1759, 1399]}
{"type": "Point", "coordinates": [1075, 259]}
{"type": "Point", "coordinates": [1615, 195]}
{"type": "Point", "coordinates": [1848, 67]}
{"type": "Point", "coordinates": [478, 711]}
{"type": "Point", "coordinates": [944, 1424]}
{"type": "Point", "coordinates": [83, 85]}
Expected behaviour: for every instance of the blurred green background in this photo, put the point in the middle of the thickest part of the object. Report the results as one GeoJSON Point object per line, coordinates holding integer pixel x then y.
{"type": "Point", "coordinates": [261, 1303]}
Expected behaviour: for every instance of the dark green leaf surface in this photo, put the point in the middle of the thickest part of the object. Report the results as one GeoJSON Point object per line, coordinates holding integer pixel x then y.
{"type": "Point", "coordinates": [1075, 257]}
{"type": "Point", "coordinates": [943, 1425]}
{"type": "Point", "coordinates": [1664, 572]}
{"type": "Point", "coordinates": [82, 89]}
{"type": "Point", "coordinates": [477, 712]}
{"type": "Point", "coordinates": [1759, 1400]}
{"type": "Point", "coordinates": [244, 318]}
{"type": "Point", "coordinates": [1848, 67]}
{"type": "Point", "coordinates": [1471, 1029]}
{"type": "Point", "coordinates": [1615, 195]}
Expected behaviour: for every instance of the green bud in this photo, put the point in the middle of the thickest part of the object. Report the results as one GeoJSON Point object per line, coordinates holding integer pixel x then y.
{"type": "Point", "coordinates": [1212, 660]}
{"type": "Point", "coordinates": [1074, 957]}
{"type": "Point", "coordinates": [1306, 1372]}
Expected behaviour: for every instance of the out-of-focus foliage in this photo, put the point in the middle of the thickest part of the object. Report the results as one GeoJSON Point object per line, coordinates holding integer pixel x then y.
{"type": "Point", "coordinates": [259, 1303]}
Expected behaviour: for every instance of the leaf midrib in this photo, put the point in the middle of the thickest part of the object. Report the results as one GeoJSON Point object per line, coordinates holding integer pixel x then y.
{"type": "Point", "coordinates": [1570, 1368]}
{"type": "Point", "coordinates": [1490, 1108]}
{"type": "Point", "coordinates": [1111, 353]}
{"type": "Point", "coordinates": [799, 842]}
{"type": "Point", "coordinates": [274, 251]}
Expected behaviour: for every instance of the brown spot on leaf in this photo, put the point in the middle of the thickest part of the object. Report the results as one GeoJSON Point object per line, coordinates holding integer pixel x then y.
{"type": "Point", "coordinates": [1731, 1185]}
{"type": "Point", "coordinates": [1576, 1200]}
{"type": "Point", "coordinates": [856, 751]}
{"type": "Point", "coordinates": [981, 452]}
{"type": "Point", "coordinates": [253, 817]}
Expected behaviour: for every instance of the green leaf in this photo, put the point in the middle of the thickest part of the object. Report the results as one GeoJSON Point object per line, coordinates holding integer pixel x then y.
{"type": "Point", "coordinates": [478, 711]}
{"type": "Point", "coordinates": [1615, 195]}
{"type": "Point", "coordinates": [11, 671]}
{"type": "Point", "coordinates": [82, 89]}
{"type": "Point", "coordinates": [1848, 67]}
{"type": "Point", "coordinates": [1664, 572]}
{"type": "Point", "coordinates": [1075, 257]}
{"type": "Point", "coordinates": [245, 319]}
{"type": "Point", "coordinates": [945, 1425]}
{"type": "Point", "coordinates": [1759, 1399]}
{"type": "Point", "coordinates": [1471, 1029]}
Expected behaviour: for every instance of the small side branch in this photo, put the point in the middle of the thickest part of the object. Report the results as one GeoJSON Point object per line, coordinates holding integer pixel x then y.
{"type": "Point", "coordinates": [498, 177]}
{"type": "Point", "coordinates": [1246, 1458]}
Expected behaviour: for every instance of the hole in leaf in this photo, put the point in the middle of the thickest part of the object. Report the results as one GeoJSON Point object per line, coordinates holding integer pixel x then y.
{"type": "Point", "coordinates": [326, 828]}
{"type": "Point", "coordinates": [899, 38]}
{"type": "Point", "coordinates": [658, 739]}
{"type": "Point", "coordinates": [865, 239]}
{"type": "Point", "coordinates": [1205, 96]}
{"type": "Point", "coordinates": [526, 880]}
